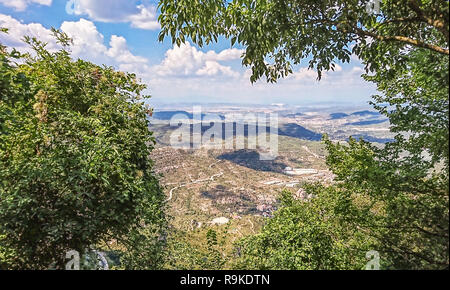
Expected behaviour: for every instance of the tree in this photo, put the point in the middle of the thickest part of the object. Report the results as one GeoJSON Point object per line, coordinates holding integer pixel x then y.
{"type": "Point", "coordinates": [279, 33]}
{"type": "Point", "coordinates": [407, 181]}
{"type": "Point", "coordinates": [74, 159]}
{"type": "Point", "coordinates": [398, 194]}
{"type": "Point", "coordinates": [208, 254]}
{"type": "Point", "coordinates": [306, 235]}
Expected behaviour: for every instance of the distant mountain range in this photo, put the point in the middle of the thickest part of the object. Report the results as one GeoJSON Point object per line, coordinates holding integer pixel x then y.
{"type": "Point", "coordinates": [297, 131]}
{"type": "Point", "coordinates": [373, 139]}
{"type": "Point", "coordinates": [367, 122]}
{"type": "Point", "coordinates": [167, 115]}
{"type": "Point", "coordinates": [365, 113]}
{"type": "Point", "coordinates": [293, 115]}
{"type": "Point", "coordinates": [288, 129]}
{"type": "Point", "coordinates": [335, 116]}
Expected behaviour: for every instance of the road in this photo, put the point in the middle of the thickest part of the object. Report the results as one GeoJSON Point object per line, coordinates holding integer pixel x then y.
{"type": "Point", "coordinates": [184, 184]}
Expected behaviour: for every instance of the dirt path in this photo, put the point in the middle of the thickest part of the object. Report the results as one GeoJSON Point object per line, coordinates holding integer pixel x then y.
{"type": "Point", "coordinates": [184, 184]}
{"type": "Point", "coordinates": [310, 152]}
{"type": "Point", "coordinates": [253, 226]}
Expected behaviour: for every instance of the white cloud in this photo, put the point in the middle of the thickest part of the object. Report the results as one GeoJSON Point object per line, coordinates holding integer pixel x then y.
{"type": "Point", "coordinates": [183, 60]}
{"type": "Point", "coordinates": [358, 70]}
{"type": "Point", "coordinates": [186, 60]}
{"type": "Point", "coordinates": [146, 19]}
{"type": "Point", "coordinates": [225, 55]}
{"type": "Point", "coordinates": [305, 74]}
{"type": "Point", "coordinates": [18, 30]}
{"type": "Point", "coordinates": [88, 42]}
{"type": "Point", "coordinates": [344, 85]}
{"type": "Point", "coordinates": [89, 45]}
{"type": "Point", "coordinates": [337, 68]}
{"type": "Point", "coordinates": [119, 51]}
{"type": "Point", "coordinates": [187, 73]}
{"type": "Point", "coordinates": [213, 68]}
{"type": "Point", "coordinates": [138, 15]}
{"type": "Point", "coordinates": [21, 5]}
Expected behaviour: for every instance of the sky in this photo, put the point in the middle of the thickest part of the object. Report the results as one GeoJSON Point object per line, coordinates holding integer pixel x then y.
{"type": "Point", "coordinates": [124, 34]}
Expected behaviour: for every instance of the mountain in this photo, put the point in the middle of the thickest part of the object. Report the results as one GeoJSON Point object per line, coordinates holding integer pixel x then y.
{"type": "Point", "coordinates": [373, 139]}
{"type": "Point", "coordinates": [290, 130]}
{"type": "Point", "coordinates": [365, 113]}
{"type": "Point", "coordinates": [335, 116]}
{"type": "Point", "coordinates": [297, 131]}
{"type": "Point", "coordinates": [167, 115]}
{"type": "Point", "coordinates": [367, 122]}
{"type": "Point", "coordinates": [293, 115]}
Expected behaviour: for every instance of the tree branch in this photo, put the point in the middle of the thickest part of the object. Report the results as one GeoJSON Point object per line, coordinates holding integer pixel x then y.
{"type": "Point", "coordinates": [439, 24]}
{"type": "Point", "coordinates": [403, 39]}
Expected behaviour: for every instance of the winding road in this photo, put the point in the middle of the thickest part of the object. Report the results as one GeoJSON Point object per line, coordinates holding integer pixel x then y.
{"type": "Point", "coordinates": [211, 178]}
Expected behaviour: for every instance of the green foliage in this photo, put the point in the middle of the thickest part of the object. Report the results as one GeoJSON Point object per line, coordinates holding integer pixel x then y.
{"type": "Point", "coordinates": [407, 180]}
{"type": "Point", "coordinates": [74, 160]}
{"type": "Point", "coordinates": [395, 199]}
{"type": "Point", "coordinates": [396, 195]}
{"type": "Point", "coordinates": [214, 259]}
{"type": "Point", "coordinates": [74, 143]}
{"type": "Point", "coordinates": [415, 98]}
{"type": "Point", "coordinates": [306, 235]}
{"type": "Point", "coordinates": [277, 34]}
{"type": "Point", "coordinates": [183, 255]}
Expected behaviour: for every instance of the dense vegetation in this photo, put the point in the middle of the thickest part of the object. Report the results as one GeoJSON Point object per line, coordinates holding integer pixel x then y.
{"type": "Point", "coordinates": [306, 235]}
{"type": "Point", "coordinates": [75, 171]}
{"type": "Point", "coordinates": [395, 199]}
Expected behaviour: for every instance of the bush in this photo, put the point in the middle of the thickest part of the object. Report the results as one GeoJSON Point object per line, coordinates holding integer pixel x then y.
{"type": "Point", "coordinates": [74, 158]}
{"type": "Point", "coordinates": [306, 235]}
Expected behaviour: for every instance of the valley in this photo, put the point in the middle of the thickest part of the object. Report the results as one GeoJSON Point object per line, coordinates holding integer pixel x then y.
{"type": "Point", "coordinates": [232, 191]}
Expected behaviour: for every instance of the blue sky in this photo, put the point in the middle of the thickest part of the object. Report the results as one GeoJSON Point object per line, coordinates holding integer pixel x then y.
{"type": "Point", "coordinates": [123, 33]}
